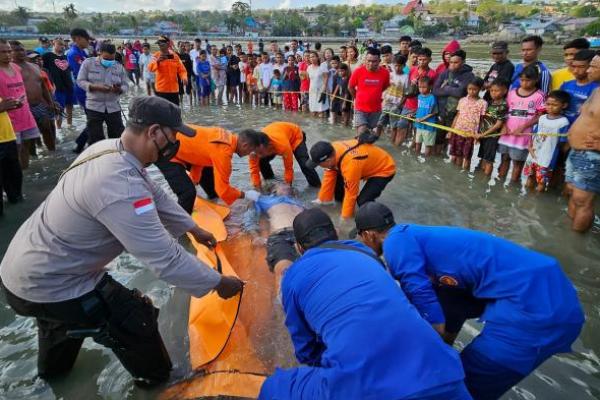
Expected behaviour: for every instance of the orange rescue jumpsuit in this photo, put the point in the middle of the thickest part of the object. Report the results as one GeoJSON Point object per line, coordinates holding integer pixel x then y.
{"type": "Point", "coordinates": [211, 147]}
{"type": "Point", "coordinates": [364, 162]}
{"type": "Point", "coordinates": [284, 138]}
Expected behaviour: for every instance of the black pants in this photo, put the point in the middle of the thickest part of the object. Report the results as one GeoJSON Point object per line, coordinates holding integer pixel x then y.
{"type": "Point", "coordinates": [128, 326]}
{"type": "Point", "coordinates": [370, 192]}
{"type": "Point", "coordinates": [301, 156]}
{"type": "Point", "coordinates": [183, 187]}
{"type": "Point", "coordinates": [172, 97]}
{"type": "Point", "coordinates": [95, 125]}
{"type": "Point", "coordinates": [458, 306]}
{"type": "Point", "coordinates": [11, 176]}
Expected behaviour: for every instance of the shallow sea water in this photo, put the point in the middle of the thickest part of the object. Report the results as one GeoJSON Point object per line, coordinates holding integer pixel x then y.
{"type": "Point", "coordinates": [430, 191]}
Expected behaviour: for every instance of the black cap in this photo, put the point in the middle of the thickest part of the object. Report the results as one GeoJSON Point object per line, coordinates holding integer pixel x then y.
{"type": "Point", "coordinates": [501, 45]}
{"type": "Point", "coordinates": [319, 153]}
{"type": "Point", "coordinates": [33, 54]}
{"type": "Point", "coordinates": [373, 215]}
{"type": "Point", "coordinates": [148, 110]}
{"type": "Point", "coordinates": [313, 227]}
{"type": "Point", "coordinates": [44, 39]}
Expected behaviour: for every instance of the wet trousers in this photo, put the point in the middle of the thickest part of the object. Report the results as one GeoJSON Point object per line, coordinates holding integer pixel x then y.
{"type": "Point", "coordinates": [301, 156]}
{"type": "Point", "coordinates": [370, 191]}
{"type": "Point", "coordinates": [114, 316]}
{"type": "Point", "coordinates": [183, 187]}
{"type": "Point", "coordinates": [95, 125]}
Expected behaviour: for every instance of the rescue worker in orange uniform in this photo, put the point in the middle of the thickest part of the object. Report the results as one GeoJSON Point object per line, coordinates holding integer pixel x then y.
{"type": "Point", "coordinates": [285, 140]}
{"type": "Point", "coordinates": [167, 67]}
{"type": "Point", "coordinates": [207, 157]}
{"type": "Point", "coordinates": [346, 163]}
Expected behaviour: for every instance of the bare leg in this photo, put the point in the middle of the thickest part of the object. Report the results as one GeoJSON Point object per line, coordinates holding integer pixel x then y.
{"type": "Point", "coordinates": [504, 166]}
{"type": "Point", "coordinates": [517, 169]}
{"type": "Point", "coordinates": [428, 150]}
{"type": "Point", "coordinates": [487, 167]}
{"type": "Point", "coordinates": [24, 153]}
{"type": "Point", "coordinates": [582, 205]}
{"type": "Point", "coordinates": [418, 148]}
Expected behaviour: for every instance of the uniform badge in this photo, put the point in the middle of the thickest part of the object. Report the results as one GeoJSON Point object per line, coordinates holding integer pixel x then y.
{"type": "Point", "coordinates": [448, 280]}
{"type": "Point", "coordinates": [143, 205]}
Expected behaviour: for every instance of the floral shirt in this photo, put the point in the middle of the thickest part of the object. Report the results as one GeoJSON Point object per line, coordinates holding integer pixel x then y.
{"type": "Point", "coordinates": [470, 112]}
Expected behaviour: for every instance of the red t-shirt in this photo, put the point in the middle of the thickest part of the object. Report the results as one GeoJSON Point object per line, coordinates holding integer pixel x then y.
{"type": "Point", "coordinates": [412, 103]}
{"type": "Point", "coordinates": [369, 88]}
{"type": "Point", "coordinates": [304, 83]}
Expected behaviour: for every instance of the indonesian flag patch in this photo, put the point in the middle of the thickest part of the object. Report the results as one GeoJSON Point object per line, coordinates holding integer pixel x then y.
{"type": "Point", "coordinates": [143, 205]}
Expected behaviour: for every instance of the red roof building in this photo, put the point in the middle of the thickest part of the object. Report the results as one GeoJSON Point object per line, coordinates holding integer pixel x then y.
{"type": "Point", "coordinates": [414, 6]}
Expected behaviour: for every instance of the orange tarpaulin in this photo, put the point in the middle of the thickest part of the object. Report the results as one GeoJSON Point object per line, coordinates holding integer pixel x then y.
{"type": "Point", "coordinates": [234, 343]}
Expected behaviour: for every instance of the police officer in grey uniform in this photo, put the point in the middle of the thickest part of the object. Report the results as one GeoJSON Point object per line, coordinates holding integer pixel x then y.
{"type": "Point", "coordinates": [55, 267]}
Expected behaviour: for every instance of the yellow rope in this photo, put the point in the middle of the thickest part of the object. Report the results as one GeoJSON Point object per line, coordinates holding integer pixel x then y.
{"type": "Point", "coordinates": [434, 125]}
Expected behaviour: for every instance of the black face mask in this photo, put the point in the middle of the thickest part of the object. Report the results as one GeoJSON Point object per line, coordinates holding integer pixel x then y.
{"type": "Point", "coordinates": [168, 151]}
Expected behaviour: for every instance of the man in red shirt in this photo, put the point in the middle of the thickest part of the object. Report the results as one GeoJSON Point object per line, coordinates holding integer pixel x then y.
{"type": "Point", "coordinates": [367, 84]}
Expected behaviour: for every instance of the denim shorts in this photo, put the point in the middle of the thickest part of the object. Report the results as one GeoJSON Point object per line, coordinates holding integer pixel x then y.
{"type": "Point", "coordinates": [513, 153]}
{"type": "Point", "coordinates": [583, 170]}
{"type": "Point", "coordinates": [369, 119]}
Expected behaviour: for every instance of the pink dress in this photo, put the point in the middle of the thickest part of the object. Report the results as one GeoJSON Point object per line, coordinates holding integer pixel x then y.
{"type": "Point", "coordinates": [12, 87]}
{"type": "Point", "coordinates": [470, 112]}
{"type": "Point", "coordinates": [520, 111]}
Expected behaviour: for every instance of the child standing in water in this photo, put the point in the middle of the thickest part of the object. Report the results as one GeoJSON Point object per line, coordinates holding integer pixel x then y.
{"type": "Point", "coordinates": [276, 87]}
{"type": "Point", "coordinates": [341, 105]}
{"type": "Point", "coordinates": [492, 123]}
{"type": "Point", "coordinates": [524, 106]}
{"type": "Point", "coordinates": [544, 143]}
{"type": "Point", "coordinates": [393, 101]}
{"type": "Point", "coordinates": [203, 78]}
{"type": "Point", "coordinates": [470, 109]}
{"type": "Point", "coordinates": [427, 110]}
{"type": "Point", "coordinates": [251, 81]}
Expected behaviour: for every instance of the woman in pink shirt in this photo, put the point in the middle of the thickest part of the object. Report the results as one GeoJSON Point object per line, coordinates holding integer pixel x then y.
{"type": "Point", "coordinates": [12, 87]}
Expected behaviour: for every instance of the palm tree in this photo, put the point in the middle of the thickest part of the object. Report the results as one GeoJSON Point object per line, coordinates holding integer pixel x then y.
{"type": "Point", "coordinates": [70, 12]}
{"type": "Point", "coordinates": [134, 24]}
{"type": "Point", "coordinates": [21, 14]}
{"type": "Point", "coordinates": [240, 10]}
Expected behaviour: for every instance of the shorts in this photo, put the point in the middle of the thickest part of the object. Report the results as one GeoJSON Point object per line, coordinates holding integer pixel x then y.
{"type": "Point", "coordinates": [404, 123]}
{"type": "Point", "coordinates": [513, 153]}
{"type": "Point", "coordinates": [387, 118]}
{"type": "Point", "coordinates": [542, 174]}
{"type": "Point", "coordinates": [425, 136]}
{"type": "Point", "coordinates": [369, 119]}
{"type": "Point", "coordinates": [583, 170]}
{"type": "Point", "coordinates": [461, 146]}
{"type": "Point", "coordinates": [27, 134]}
{"type": "Point", "coordinates": [41, 112]}
{"type": "Point", "coordinates": [66, 98]}
{"type": "Point", "coordinates": [488, 148]}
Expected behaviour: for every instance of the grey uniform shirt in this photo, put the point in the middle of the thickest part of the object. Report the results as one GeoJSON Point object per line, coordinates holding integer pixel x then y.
{"type": "Point", "coordinates": [97, 210]}
{"type": "Point", "coordinates": [92, 72]}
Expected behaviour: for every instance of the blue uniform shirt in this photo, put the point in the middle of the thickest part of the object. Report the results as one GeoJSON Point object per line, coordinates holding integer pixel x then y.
{"type": "Point", "coordinates": [357, 333]}
{"type": "Point", "coordinates": [75, 57]}
{"type": "Point", "coordinates": [427, 104]}
{"type": "Point", "coordinates": [528, 296]}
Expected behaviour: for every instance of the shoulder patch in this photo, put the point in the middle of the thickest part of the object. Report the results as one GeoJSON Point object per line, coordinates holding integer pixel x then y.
{"type": "Point", "coordinates": [144, 205]}
{"type": "Point", "coordinates": [448, 280]}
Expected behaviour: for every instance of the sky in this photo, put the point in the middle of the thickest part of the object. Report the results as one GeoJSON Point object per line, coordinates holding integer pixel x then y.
{"type": "Point", "coordinates": [133, 5]}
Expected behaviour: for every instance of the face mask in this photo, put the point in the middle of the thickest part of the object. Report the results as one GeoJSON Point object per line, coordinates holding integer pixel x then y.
{"type": "Point", "coordinates": [168, 151]}
{"type": "Point", "coordinates": [107, 63]}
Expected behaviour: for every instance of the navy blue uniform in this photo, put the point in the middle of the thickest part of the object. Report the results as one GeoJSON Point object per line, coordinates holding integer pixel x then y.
{"type": "Point", "coordinates": [358, 335]}
{"type": "Point", "coordinates": [529, 306]}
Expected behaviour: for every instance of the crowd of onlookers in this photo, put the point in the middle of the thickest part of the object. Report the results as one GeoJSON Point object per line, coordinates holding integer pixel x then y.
{"type": "Point", "coordinates": [527, 114]}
